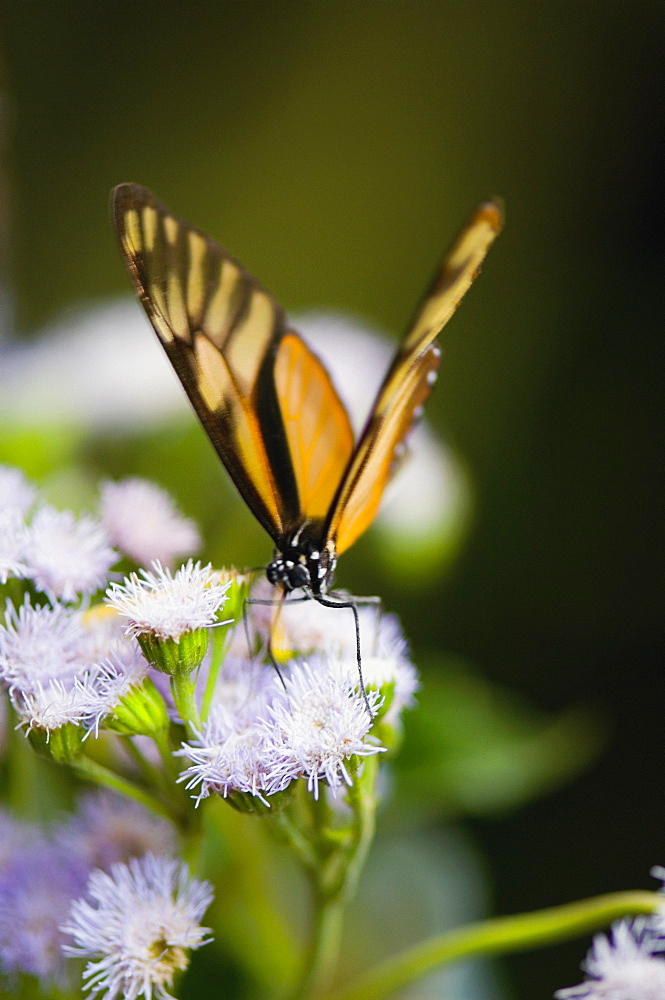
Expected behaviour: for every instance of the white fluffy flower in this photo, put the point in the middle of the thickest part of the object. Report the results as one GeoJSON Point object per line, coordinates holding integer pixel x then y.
{"type": "Point", "coordinates": [51, 706]}
{"type": "Point", "coordinates": [623, 966]}
{"type": "Point", "coordinates": [14, 537]}
{"type": "Point", "coordinates": [317, 724]}
{"type": "Point", "coordinates": [137, 926]}
{"type": "Point", "coordinates": [16, 493]}
{"type": "Point", "coordinates": [143, 521]}
{"type": "Point", "coordinates": [168, 605]}
{"type": "Point", "coordinates": [40, 644]}
{"type": "Point", "coordinates": [67, 556]}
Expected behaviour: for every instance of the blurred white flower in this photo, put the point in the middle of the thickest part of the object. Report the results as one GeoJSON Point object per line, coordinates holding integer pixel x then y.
{"type": "Point", "coordinates": [67, 556]}
{"type": "Point", "coordinates": [623, 966]}
{"type": "Point", "coordinates": [108, 367]}
{"type": "Point", "coordinates": [144, 522]}
{"type": "Point", "coordinates": [16, 493]}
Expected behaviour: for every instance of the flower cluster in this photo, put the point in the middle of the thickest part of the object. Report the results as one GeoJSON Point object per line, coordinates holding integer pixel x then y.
{"type": "Point", "coordinates": [198, 685]}
{"type": "Point", "coordinates": [141, 660]}
{"type": "Point", "coordinates": [629, 964]}
{"type": "Point", "coordinates": [111, 857]}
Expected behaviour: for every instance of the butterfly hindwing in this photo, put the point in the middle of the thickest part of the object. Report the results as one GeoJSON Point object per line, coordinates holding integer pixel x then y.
{"type": "Point", "coordinates": [317, 427]}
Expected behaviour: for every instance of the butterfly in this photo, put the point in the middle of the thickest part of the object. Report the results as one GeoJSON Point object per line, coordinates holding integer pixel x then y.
{"type": "Point", "coordinates": [264, 398]}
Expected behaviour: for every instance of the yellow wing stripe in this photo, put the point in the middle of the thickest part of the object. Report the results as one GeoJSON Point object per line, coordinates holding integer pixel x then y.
{"type": "Point", "coordinates": [171, 229]}
{"type": "Point", "coordinates": [459, 268]}
{"type": "Point", "coordinates": [221, 396]}
{"type": "Point", "coordinates": [150, 221]}
{"type": "Point", "coordinates": [223, 305]}
{"type": "Point", "coordinates": [196, 275]}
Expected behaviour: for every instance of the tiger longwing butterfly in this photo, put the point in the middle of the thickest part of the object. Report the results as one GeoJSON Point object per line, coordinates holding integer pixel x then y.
{"type": "Point", "coordinates": [265, 400]}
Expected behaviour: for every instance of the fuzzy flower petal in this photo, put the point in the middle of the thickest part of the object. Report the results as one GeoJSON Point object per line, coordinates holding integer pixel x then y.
{"type": "Point", "coordinates": [51, 706]}
{"type": "Point", "coordinates": [39, 644]}
{"type": "Point", "coordinates": [14, 538]}
{"type": "Point", "coordinates": [318, 723]}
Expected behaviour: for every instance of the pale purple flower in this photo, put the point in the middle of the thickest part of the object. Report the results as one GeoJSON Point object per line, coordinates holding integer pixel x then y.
{"type": "Point", "coordinates": [112, 680]}
{"type": "Point", "coordinates": [108, 828]}
{"type": "Point", "coordinates": [144, 522]}
{"type": "Point", "coordinates": [16, 493]}
{"type": "Point", "coordinates": [37, 886]}
{"type": "Point", "coordinates": [166, 604]}
{"type": "Point", "coordinates": [222, 763]}
{"type": "Point", "coordinates": [316, 725]}
{"type": "Point", "coordinates": [51, 706]}
{"type": "Point", "coordinates": [67, 557]}
{"type": "Point", "coordinates": [136, 927]}
{"type": "Point", "coordinates": [40, 644]}
{"type": "Point", "coordinates": [265, 731]}
{"type": "Point", "coordinates": [623, 966]}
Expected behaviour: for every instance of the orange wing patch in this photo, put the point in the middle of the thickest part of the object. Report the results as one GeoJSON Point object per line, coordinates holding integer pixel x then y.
{"type": "Point", "coordinates": [317, 426]}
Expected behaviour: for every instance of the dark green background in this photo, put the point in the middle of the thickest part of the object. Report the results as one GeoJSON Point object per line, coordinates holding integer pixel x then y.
{"type": "Point", "coordinates": [335, 148]}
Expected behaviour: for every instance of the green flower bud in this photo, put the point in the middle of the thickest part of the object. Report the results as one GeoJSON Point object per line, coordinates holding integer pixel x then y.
{"type": "Point", "coordinates": [175, 656]}
{"type": "Point", "coordinates": [62, 745]}
{"type": "Point", "coordinates": [141, 712]}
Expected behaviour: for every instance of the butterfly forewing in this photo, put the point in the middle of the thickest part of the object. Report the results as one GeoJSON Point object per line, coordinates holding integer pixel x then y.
{"type": "Point", "coordinates": [264, 398]}
{"type": "Point", "coordinates": [408, 381]}
{"type": "Point", "coordinates": [217, 326]}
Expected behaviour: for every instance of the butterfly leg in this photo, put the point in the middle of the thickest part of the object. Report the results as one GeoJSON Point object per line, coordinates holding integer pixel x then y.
{"type": "Point", "coordinates": [351, 604]}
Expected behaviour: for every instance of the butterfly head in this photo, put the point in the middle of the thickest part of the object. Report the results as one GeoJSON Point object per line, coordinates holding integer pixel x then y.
{"type": "Point", "coordinates": [303, 563]}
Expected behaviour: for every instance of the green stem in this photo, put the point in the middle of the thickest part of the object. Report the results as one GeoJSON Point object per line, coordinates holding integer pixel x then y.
{"type": "Point", "coordinates": [148, 769]}
{"type": "Point", "coordinates": [182, 687]}
{"type": "Point", "coordinates": [334, 881]}
{"type": "Point", "coordinates": [323, 951]}
{"type": "Point", "coordinates": [491, 937]}
{"type": "Point", "coordinates": [99, 775]}
{"type": "Point", "coordinates": [219, 640]}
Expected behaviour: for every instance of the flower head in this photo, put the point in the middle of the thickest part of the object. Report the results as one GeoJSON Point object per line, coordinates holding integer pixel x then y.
{"type": "Point", "coordinates": [40, 644]}
{"type": "Point", "coordinates": [143, 521]}
{"type": "Point", "coordinates": [267, 732]}
{"type": "Point", "coordinates": [67, 556]}
{"type": "Point", "coordinates": [318, 723]}
{"type": "Point", "coordinates": [168, 605]}
{"type": "Point", "coordinates": [136, 926]}
{"type": "Point", "coordinates": [623, 966]}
